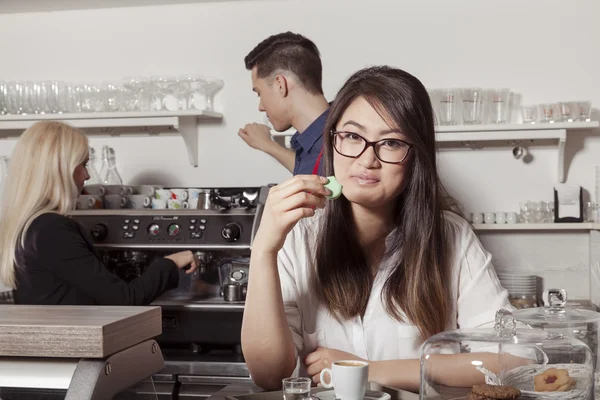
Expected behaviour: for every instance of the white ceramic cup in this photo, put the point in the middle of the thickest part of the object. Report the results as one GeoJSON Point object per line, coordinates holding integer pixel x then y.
{"type": "Point", "coordinates": [162, 194]}
{"type": "Point", "coordinates": [348, 378]}
{"type": "Point", "coordinates": [177, 204]}
{"type": "Point", "coordinates": [94, 189]}
{"type": "Point", "coordinates": [500, 217]}
{"type": "Point", "coordinates": [511, 218]}
{"type": "Point", "coordinates": [88, 201]}
{"type": "Point", "coordinates": [138, 201]}
{"type": "Point", "coordinates": [113, 201]}
{"type": "Point", "coordinates": [489, 217]}
{"type": "Point", "coordinates": [118, 189]}
{"type": "Point", "coordinates": [192, 203]}
{"type": "Point", "coordinates": [477, 218]}
{"type": "Point", "coordinates": [146, 190]}
{"type": "Point", "coordinates": [159, 204]}
{"type": "Point", "coordinates": [179, 194]}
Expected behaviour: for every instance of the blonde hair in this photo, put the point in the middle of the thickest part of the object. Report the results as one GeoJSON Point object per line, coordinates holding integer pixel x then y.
{"type": "Point", "coordinates": [40, 180]}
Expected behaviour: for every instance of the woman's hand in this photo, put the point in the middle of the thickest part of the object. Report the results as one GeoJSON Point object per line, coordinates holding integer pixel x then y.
{"type": "Point", "coordinates": [322, 358]}
{"type": "Point", "coordinates": [183, 259]}
{"type": "Point", "coordinates": [286, 204]}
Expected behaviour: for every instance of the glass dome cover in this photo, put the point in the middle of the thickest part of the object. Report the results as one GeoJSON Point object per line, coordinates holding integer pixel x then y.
{"type": "Point", "coordinates": [536, 363]}
{"type": "Point", "coordinates": [556, 311]}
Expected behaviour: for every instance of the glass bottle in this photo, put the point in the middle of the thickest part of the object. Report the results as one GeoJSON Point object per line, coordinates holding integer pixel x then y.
{"type": "Point", "coordinates": [94, 177]}
{"type": "Point", "coordinates": [112, 176]}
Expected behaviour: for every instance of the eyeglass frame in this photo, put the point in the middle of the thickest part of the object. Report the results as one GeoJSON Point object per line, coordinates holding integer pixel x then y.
{"type": "Point", "coordinates": [369, 144]}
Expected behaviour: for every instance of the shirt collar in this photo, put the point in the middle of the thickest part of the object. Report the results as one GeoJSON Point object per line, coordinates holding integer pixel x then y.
{"type": "Point", "coordinates": [314, 132]}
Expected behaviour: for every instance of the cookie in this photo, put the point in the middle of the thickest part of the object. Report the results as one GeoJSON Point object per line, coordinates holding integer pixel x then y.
{"type": "Point", "coordinates": [335, 187]}
{"type": "Point", "coordinates": [473, 396]}
{"type": "Point", "coordinates": [553, 380]}
{"type": "Point", "coordinates": [497, 392]}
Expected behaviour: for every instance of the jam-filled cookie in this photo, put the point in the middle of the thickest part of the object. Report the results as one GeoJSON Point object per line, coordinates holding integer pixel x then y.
{"type": "Point", "coordinates": [553, 380]}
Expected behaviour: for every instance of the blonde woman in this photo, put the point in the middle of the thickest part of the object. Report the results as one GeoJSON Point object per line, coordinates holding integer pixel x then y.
{"type": "Point", "coordinates": [45, 256]}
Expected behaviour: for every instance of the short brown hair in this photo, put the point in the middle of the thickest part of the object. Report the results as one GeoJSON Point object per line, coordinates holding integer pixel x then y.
{"type": "Point", "coordinates": [291, 52]}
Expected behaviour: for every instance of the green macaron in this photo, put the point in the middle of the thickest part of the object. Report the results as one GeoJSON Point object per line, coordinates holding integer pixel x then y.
{"type": "Point", "coordinates": [335, 187]}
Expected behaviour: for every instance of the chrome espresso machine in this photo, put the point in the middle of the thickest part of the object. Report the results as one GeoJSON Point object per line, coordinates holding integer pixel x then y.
{"type": "Point", "coordinates": [201, 318]}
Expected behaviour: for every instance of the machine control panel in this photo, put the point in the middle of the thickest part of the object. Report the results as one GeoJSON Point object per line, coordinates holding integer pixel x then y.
{"type": "Point", "coordinates": [167, 230]}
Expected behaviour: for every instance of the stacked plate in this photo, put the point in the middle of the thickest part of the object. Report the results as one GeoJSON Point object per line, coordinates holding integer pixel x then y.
{"type": "Point", "coordinates": [522, 289]}
{"type": "Point", "coordinates": [597, 184]}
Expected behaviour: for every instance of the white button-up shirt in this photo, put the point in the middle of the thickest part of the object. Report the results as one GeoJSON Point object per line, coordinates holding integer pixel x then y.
{"type": "Point", "coordinates": [476, 296]}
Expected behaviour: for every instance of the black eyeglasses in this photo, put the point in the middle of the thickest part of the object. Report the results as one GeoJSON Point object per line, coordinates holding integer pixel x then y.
{"type": "Point", "coordinates": [389, 151]}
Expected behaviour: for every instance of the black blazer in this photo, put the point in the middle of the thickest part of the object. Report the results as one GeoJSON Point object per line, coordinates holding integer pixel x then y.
{"type": "Point", "coordinates": [59, 265]}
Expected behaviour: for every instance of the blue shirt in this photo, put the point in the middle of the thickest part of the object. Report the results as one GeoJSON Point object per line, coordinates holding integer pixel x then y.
{"type": "Point", "coordinates": [307, 146]}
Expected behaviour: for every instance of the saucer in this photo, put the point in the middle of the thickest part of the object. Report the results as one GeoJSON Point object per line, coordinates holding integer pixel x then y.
{"type": "Point", "coordinates": [369, 395]}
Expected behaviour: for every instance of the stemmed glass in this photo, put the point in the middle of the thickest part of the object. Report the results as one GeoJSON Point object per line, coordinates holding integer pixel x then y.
{"type": "Point", "coordinates": [208, 87]}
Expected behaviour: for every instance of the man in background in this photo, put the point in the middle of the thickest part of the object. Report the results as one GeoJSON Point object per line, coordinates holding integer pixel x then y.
{"type": "Point", "coordinates": [286, 75]}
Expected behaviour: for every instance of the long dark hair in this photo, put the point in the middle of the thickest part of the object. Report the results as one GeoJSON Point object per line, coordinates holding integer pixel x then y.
{"type": "Point", "coordinates": [418, 288]}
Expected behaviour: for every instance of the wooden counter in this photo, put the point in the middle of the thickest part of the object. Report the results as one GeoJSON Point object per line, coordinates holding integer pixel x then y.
{"type": "Point", "coordinates": [75, 331]}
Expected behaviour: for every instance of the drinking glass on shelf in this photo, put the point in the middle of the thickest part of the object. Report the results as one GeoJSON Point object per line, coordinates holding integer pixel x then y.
{"type": "Point", "coordinates": [113, 96]}
{"type": "Point", "coordinates": [3, 98]}
{"type": "Point", "coordinates": [499, 105]}
{"type": "Point", "coordinates": [434, 104]}
{"type": "Point", "coordinates": [209, 88]}
{"type": "Point", "coordinates": [472, 105]}
{"type": "Point", "coordinates": [548, 112]}
{"type": "Point", "coordinates": [529, 114]}
{"type": "Point", "coordinates": [527, 211]}
{"type": "Point", "coordinates": [164, 97]}
{"type": "Point", "coordinates": [29, 98]}
{"type": "Point", "coordinates": [583, 110]}
{"type": "Point", "coordinates": [566, 111]}
{"type": "Point", "coordinates": [448, 106]}
{"type": "Point", "coordinates": [590, 212]}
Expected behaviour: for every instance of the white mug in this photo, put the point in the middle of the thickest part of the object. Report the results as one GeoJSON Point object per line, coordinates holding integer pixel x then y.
{"type": "Point", "coordinates": [348, 378]}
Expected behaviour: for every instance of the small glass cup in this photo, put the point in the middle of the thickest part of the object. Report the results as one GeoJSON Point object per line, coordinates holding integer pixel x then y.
{"type": "Point", "coordinates": [590, 212]}
{"type": "Point", "coordinates": [530, 114]}
{"type": "Point", "coordinates": [583, 110]}
{"type": "Point", "coordinates": [498, 103]}
{"type": "Point", "coordinates": [448, 104]}
{"type": "Point", "coordinates": [296, 388]}
{"type": "Point", "coordinates": [548, 112]}
{"type": "Point", "coordinates": [566, 111]}
{"type": "Point", "coordinates": [472, 105]}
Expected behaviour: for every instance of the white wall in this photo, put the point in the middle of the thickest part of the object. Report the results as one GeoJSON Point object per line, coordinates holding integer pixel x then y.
{"type": "Point", "coordinates": [546, 50]}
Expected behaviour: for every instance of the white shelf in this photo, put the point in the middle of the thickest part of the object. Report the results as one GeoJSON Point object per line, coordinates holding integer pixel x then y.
{"type": "Point", "coordinates": [511, 134]}
{"type": "Point", "coordinates": [184, 123]}
{"type": "Point", "coordinates": [516, 127]}
{"type": "Point", "coordinates": [577, 226]}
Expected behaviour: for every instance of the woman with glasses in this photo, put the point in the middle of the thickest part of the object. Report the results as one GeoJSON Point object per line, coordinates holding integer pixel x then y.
{"type": "Point", "coordinates": [373, 274]}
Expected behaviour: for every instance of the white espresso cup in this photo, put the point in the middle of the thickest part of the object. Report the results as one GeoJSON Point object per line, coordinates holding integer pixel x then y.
{"type": "Point", "coordinates": [348, 378]}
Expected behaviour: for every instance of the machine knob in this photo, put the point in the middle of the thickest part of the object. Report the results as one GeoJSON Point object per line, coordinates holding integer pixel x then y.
{"type": "Point", "coordinates": [244, 202]}
{"type": "Point", "coordinates": [99, 232]}
{"type": "Point", "coordinates": [238, 275]}
{"type": "Point", "coordinates": [173, 230]}
{"type": "Point", "coordinates": [153, 229]}
{"type": "Point", "coordinates": [231, 232]}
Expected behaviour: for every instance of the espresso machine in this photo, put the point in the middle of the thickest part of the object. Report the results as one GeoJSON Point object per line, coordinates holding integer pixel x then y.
{"type": "Point", "coordinates": [202, 317]}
